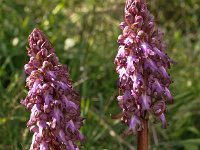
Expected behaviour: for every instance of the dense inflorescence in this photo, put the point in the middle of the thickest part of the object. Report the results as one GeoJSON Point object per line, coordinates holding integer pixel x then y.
{"type": "Point", "coordinates": [141, 63]}
{"type": "Point", "coordinates": [55, 107]}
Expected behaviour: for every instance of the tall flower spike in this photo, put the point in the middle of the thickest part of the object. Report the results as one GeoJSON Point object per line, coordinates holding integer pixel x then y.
{"type": "Point", "coordinates": [141, 63]}
{"type": "Point", "coordinates": [55, 107]}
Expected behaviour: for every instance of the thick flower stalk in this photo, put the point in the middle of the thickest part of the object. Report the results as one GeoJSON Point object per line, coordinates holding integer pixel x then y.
{"type": "Point", "coordinates": [55, 107]}
{"type": "Point", "coordinates": [142, 64]}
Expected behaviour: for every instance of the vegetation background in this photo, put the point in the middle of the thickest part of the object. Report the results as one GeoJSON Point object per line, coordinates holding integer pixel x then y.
{"type": "Point", "coordinates": [84, 33]}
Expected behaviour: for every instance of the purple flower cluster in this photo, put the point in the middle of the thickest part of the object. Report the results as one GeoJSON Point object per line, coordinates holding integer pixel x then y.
{"type": "Point", "coordinates": [141, 64]}
{"type": "Point", "coordinates": [55, 107]}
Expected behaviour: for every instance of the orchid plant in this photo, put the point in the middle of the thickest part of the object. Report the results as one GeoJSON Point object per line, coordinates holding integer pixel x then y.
{"type": "Point", "coordinates": [142, 64]}
{"type": "Point", "coordinates": [55, 106]}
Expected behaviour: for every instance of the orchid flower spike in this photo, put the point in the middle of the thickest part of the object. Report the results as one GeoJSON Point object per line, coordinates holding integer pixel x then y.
{"type": "Point", "coordinates": [142, 64]}
{"type": "Point", "coordinates": [55, 107]}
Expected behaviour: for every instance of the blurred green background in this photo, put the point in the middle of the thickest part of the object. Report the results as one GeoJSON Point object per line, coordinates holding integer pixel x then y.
{"type": "Point", "coordinates": [84, 34]}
